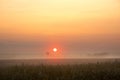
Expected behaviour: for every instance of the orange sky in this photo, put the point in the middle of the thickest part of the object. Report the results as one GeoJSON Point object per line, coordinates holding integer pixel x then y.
{"type": "Point", "coordinates": [57, 16]}
{"type": "Point", "coordinates": [50, 19]}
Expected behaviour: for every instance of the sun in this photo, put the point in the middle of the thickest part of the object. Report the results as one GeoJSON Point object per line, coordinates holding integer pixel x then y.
{"type": "Point", "coordinates": [54, 49]}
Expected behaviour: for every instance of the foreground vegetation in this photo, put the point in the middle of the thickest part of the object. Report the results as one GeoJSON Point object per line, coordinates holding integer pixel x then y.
{"type": "Point", "coordinates": [97, 71]}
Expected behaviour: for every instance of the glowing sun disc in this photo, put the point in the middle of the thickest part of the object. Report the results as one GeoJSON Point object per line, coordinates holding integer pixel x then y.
{"type": "Point", "coordinates": [54, 49]}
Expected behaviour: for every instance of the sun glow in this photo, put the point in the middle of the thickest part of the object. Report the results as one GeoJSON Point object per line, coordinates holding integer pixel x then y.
{"type": "Point", "coordinates": [54, 49]}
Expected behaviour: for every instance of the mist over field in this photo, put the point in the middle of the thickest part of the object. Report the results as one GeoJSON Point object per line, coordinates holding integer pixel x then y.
{"type": "Point", "coordinates": [59, 39]}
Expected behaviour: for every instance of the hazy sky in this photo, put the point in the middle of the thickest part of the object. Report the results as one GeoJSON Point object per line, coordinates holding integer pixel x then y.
{"type": "Point", "coordinates": [78, 28]}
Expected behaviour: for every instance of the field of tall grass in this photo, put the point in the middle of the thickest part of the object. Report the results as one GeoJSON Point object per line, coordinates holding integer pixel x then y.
{"type": "Point", "coordinates": [93, 71]}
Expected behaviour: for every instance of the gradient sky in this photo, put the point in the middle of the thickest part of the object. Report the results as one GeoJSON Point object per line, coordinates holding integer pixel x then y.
{"type": "Point", "coordinates": [78, 28]}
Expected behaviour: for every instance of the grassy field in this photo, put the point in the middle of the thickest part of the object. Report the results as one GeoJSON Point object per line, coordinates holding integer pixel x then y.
{"type": "Point", "coordinates": [96, 71]}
